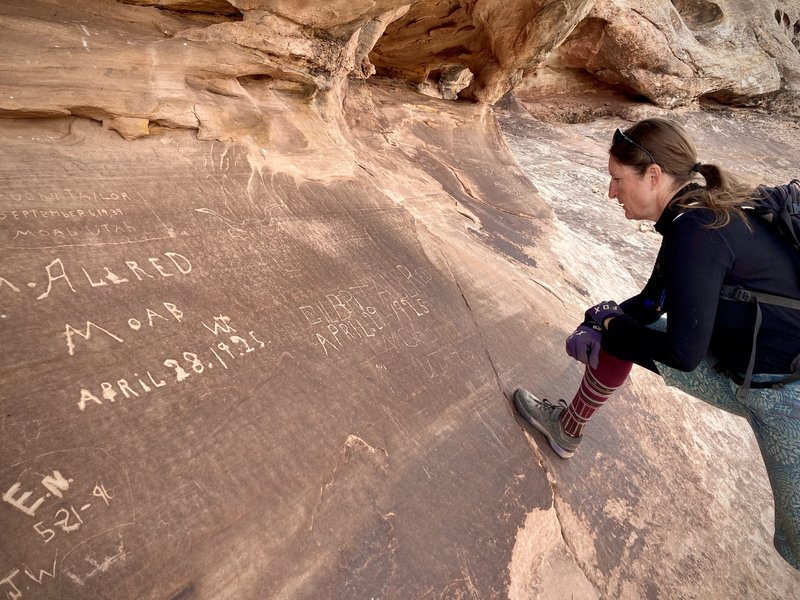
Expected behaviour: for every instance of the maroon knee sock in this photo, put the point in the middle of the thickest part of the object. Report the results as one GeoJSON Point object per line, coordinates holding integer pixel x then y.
{"type": "Point", "coordinates": [597, 385]}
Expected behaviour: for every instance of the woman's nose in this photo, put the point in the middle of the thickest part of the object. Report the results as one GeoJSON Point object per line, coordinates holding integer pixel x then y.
{"type": "Point", "coordinates": [612, 190]}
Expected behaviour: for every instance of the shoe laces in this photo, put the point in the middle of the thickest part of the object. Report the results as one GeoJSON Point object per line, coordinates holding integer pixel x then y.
{"type": "Point", "coordinates": [561, 403]}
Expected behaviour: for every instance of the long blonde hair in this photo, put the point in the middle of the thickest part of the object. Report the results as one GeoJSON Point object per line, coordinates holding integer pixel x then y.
{"type": "Point", "coordinates": [668, 144]}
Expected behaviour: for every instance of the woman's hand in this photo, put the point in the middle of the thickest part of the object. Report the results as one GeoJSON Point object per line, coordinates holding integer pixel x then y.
{"type": "Point", "coordinates": [603, 312]}
{"type": "Point", "coordinates": [584, 344]}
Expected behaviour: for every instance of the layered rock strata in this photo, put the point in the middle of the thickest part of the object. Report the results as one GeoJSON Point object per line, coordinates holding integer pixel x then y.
{"type": "Point", "coordinates": [203, 65]}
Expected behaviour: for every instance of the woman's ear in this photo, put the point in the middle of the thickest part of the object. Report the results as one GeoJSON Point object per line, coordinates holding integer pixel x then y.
{"type": "Point", "coordinates": [654, 175]}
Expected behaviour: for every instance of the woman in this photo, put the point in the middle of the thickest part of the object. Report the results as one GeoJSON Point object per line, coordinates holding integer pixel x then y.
{"type": "Point", "coordinates": [704, 346]}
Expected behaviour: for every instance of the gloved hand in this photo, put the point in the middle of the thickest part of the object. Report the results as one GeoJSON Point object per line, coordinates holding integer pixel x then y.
{"type": "Point", "coordinates": [600, 312]}
{"type": "Point", "coordinates": [584, 343]}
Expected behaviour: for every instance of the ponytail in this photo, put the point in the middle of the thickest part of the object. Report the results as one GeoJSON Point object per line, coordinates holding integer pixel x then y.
{"type": "Point", "coordinates": [723, 195]}
{"type": "Point", "coordinates": [713, 176]}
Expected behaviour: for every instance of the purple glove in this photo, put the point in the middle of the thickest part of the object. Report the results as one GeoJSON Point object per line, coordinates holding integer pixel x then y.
{"type": "Point", "coordinates": [600, 312]}
{"type": "Point", "coordinates": [584, 344]}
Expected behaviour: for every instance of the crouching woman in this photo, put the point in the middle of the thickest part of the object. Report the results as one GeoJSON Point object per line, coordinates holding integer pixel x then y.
{"type": "Point", "coordinates": [742, 357]}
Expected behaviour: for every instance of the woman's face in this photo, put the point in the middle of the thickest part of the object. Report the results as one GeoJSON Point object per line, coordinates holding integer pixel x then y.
{"type": "Point", "coordinates": [637, 194]}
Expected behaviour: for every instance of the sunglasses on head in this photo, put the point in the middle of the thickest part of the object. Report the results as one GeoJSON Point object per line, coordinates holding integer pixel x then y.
{"type": "Point", "coordinates": [620, 135]}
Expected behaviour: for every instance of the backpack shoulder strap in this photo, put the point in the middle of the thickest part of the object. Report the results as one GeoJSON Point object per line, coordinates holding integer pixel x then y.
{"type": "Point", "coordinates": [731, 292]}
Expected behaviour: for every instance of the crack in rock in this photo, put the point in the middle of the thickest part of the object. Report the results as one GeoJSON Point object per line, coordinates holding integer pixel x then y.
{"type": "Point", "coordinates": [480, 335]}
{"type": "Point", "coordinates": [468, 191]}
{"type": "Point", "coordinates": [351, 444]}
{"type": "Point", "coordinates": [529, 546]}
{"type": "Point", "coordinates": [539, 456]}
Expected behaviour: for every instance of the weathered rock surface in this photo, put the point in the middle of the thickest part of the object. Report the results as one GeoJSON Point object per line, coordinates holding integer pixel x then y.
{"type": "Point", "coordinates": [676, 52]}
{"type": "Point", "coordinates": [262, 320]}
{"type": "Point", "coordinates": [670, 52]}
{"type": "Point", "coordinates": [178, 63]}
{"type": "Point", "coordinates": [496, 40]}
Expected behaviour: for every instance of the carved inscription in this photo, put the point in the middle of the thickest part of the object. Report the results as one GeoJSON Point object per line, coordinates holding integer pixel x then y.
{"type": "Point", "coordinates": [389, 308]}
{"type": "Point", "coordinates": [58, 509]}
{"type": "Point", "coordinates": [151, 319]}
{"type": "Point", "coordinates": [64, 519]}
{"type": "Point", "coordinates": [102, 229]}
{"type": "Point", "coordinates": [60, 278]}
{"type": "Point", "coordinates": [224, 347]}
{"type": "Point", "coordinates": [439, 362]}
{"type": "Point", "coordinates": [33, 216]}
{"type": "Point", "coordinates": [70, 196]}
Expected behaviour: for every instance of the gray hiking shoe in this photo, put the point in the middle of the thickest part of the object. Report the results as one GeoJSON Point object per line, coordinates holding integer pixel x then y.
{"type": "Point", "coordinates": [544, 415]}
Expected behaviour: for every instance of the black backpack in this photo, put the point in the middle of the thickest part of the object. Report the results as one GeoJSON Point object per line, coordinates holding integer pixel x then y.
{"type": "Point", "coordinates": [780, 206]}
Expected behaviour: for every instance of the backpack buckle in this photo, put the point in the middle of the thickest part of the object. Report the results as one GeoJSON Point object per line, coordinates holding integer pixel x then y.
{"type": "Point", "coordinates": [742, 295]}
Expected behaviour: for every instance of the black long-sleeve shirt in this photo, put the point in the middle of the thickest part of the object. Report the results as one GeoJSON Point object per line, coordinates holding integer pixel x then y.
{"type": "Point", "coordinates": [693, 263]}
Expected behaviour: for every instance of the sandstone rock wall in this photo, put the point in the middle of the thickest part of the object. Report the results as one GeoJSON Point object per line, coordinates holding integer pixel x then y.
{"type": "Point", "coordinates": [261, 345]}
{"type": "Point", "coordinates": [187, 65]}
